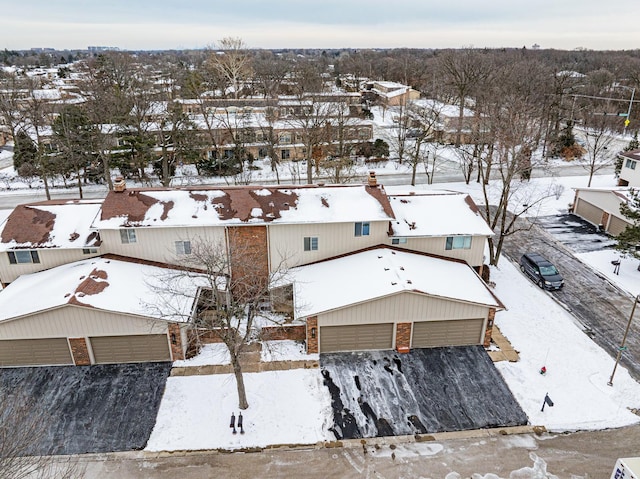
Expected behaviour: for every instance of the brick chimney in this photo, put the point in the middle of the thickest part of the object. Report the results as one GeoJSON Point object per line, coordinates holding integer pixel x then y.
{"type": "Point", "coordinates": [119, 184]}
{"type": "Point", "coordinates": [373, 182]}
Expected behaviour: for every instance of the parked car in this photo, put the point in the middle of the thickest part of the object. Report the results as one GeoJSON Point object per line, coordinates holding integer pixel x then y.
{"type": "Point", "coordinates": [541, 271]}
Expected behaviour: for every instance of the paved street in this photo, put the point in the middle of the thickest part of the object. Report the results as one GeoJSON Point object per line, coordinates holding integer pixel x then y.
{"type": "Point", "coordinates": [602, 309]}
{"type": "Point", "coordinates": [583, 455]}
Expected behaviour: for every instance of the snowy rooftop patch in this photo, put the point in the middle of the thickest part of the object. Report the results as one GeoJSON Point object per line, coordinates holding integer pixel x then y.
{"type": "Point", "coordinates": [211, 207]}
{"type": "Point", "coordinates": [106, 284]}
{"type": "Point", "coordinates": [436, 213]}
{"type": "Point", "coordinates": [382, 272]}
{"type": "Point", "coordinates": [51, 224]}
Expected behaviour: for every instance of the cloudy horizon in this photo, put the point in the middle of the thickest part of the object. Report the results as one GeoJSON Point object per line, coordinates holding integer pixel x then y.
{"type": "Point", "coordinates": [143, 25]}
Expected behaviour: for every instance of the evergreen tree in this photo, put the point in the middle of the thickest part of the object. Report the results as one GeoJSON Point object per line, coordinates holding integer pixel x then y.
{"type": "Point", "coordinates": [629, 240]}
{"type": "Point", "coordinates": [25, 151]}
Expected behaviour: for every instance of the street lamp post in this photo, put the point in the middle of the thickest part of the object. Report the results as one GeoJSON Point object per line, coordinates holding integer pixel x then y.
{"type": "Point", "coordinates": [624, 339]}
{"type": "Point", "coordinates": [628, 118]}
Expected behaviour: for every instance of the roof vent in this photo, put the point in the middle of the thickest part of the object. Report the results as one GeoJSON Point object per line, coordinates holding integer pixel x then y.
{"type": "Point", "coordinates": [373, 181]}
{"type": "Point", "coordinates": [119, 184]}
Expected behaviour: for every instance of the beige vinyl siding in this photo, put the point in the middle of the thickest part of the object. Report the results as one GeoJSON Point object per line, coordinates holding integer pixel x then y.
{"type": "Point", "coordinates": [437, 245]}
{"type": "Point", "coordinates": [632, 176]}
{"type": "Point", "coordinates": [75, 322]}
{"type": "Point", "coordinates": [402, 308]}
{"type": "Point", "coordinates": [617, 225]}
{"type": "Point", "coordinates": [158, 243]}
{"type": "Point", "coordinates": [588, 211]}
{"type": "Point", "coordinates": [287, 241]}
{"type": "Point", "coordinates": [49, 258]}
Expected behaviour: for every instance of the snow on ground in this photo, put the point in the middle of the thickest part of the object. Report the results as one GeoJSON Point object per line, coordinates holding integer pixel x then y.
{"type": "Point", "coordinates": [628, 277]}
{"type": "Point", "coordinates": [286, 351]}
{"type": "Point", "coordinates": [577, 369]}
{"type": "Point", "coordinates": [209, 354]}
{"type": "Point", "coordinates": [285, 407]}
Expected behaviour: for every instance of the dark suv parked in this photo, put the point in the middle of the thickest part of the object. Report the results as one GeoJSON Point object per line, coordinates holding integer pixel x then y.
{"type": "Point", "coordinates": [541, 271]}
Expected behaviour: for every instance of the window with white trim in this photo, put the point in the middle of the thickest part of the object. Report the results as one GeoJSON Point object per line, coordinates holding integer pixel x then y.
{"type": "Point", "coordinates": [285, 154]}
{"type": "Point", "coordinates": [23, 256]}
{"type": "Point", "coordinates": [399, 240]}
{"type": "Point", "coordinates": [631, 164]}
{"type": "Point", "coordinates": [128, 235]}
{"type": "Point", "coordinates": [183, 247]}
{"type": "Point", "coordinates": [89, 250]}
{"type": "Point", "coordinates": [311, 243]}
{"type": "Point", "coordinates": [362, 228]}
{"type": "Point", "coordinates": [458, 242]}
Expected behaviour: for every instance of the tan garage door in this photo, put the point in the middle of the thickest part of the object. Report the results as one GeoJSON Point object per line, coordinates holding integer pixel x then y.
{"type": "Point", "coordinates": [356, 338]}
{"type": "Point", "coordinates": [617, 225]}
{"type": "Point", "coordinates": [35, 352]}
{"type": "Point", "coordinates": [589, 212]}
{"type": "Point", "coordinates": [461, 332]}
{"type": "Point", "coordinates": [130, 349]}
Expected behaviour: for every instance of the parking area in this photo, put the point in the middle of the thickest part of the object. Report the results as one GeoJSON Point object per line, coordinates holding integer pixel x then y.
{"type": "Point", "coordinates": [574, 232]}
{"type": "Point", "coordinates": [82, 409]}
{"type": "Point", "coordinates": [384, 393]}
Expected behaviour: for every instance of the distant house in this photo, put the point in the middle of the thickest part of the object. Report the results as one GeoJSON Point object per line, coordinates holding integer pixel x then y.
{"type": "Point", "coordinates": [630, 170]}
{"type": "Point", "coordinates": [601, 206]}
{"type": "Point", "coordinates": [95, 311]}
{"type": "Point", "coordinates": [391, 93]}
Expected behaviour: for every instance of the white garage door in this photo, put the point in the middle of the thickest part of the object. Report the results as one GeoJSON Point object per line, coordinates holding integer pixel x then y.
{"type": "Point", "coordinates": [130, 349]}
{"type": "Point", "coordinates": [359, 337]}
{"type": "Point", "coordinates": [461, 332]}
{"type": "Point", "coordinates": [35, 352]}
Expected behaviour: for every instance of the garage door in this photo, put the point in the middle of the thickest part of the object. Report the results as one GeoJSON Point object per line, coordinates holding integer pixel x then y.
{"type": "Point", "coordinates": [617, 225]}
{"type": "Point", "coordinates": [589, 212]}
{"type": "Point", "coordinates": [130, 349]}
{"type": "Point", "coordinates": [461, 332]}
{"type": "Point", "coordinates": [356, 338]}
{"type": "Point", "coordinates": [35, 352]}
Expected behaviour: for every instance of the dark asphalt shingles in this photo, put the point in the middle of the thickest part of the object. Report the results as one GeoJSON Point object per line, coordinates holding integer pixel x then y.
{"type": "Point", "coordinates": [379, 393]}
{"type": "Point", "coordinates": [85, 409]}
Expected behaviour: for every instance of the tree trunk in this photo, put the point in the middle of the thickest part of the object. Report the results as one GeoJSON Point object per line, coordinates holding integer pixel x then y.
{"type": "Point", "coordinates": [79, 182]}
{"type": "Point", "coordinates": [46, 185]}
{"type": "Point", "coordinates": [237, 371]}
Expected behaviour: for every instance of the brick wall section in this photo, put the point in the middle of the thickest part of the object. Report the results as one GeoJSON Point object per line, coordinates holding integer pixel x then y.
{"type": "Point", "coordinates": [80, 351]}
{"type": "Point", "coordinates": [175, 341]}
{"type": "Point", "coordinates": [249, 258]}
{"type": "Point", "coordinates": [403, 337]}
{"type": "Point", "coordinates": [489, 330]}
{"type": "Point", "coordinates": [276, 333]}
{"type": "Point", "coordinates": [312, 343]}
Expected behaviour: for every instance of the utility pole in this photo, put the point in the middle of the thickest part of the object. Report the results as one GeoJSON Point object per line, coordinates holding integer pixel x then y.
{"type": "Point", "coordinates": [624, 339]}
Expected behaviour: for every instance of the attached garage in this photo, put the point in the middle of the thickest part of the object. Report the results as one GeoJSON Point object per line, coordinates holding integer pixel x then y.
{"type": "Point", "coordinates": [461, 332]}
{"type": "Point", "coordinates": [35, 352]}
{"type": "Point", "coordinates": [359, 337]}
{"type": "Point", "coordinates": [589, 212]}
{"type": "Point", "coordinates": [601, 206]}
{"type": "Point", "coordinates": [130, 349]}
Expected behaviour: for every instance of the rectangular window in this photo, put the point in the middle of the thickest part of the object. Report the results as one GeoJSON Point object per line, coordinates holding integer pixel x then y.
{"type": "Point", "coordinates": [458, 242]}
{"type": "Point", "coordinates": [311, 243]}
{"type": "Point", "coordinates": [183, 247]}
{"type": "Point", "coordinates": [23, 256]}
{"type": "Point", "coordinates": [128, 235]}
{"type": "Point", "coordinates": [398, 240]}
{"type": "Point", "coordinates": [285, 138]}
{"type": "Point", "coordinates": [362, 229]}
{"type": "Point", "coordinates": [630, 164]}
{"type": "Point", "coordinates": [285, 154]}
{"type": "Point", "coordinates": [89, 250]}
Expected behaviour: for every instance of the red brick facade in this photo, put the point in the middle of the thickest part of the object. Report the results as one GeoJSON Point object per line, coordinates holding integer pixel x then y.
{"type": "Point", "coordinates": [175, 340]}
{"type": "Point", "coordinates": [403, 337]}
{"type": "Point", "coordinates": [80, 351]}
{"type": "Point", "coordinates": [312, 334]}
{"type": "Point", "coordinates": [277, 333]}
{"type": "Point", "coordinates": [489, 330]}
{"type": "Point", "coordinates": [249, 259]}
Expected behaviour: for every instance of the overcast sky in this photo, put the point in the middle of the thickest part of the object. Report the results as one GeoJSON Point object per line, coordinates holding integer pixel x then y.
{"type": "Point", "coordinates": [168, 24]}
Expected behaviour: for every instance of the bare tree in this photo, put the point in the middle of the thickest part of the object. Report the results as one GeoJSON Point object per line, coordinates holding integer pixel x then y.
{"type": "Point", "coordinates": [424, 119]}
{"type": "Point", "coordinates": [233, 61]}
{"type": "Point", "coordinates": [598, 138]}
{"type": "Point", "coordinates": [235, 281]}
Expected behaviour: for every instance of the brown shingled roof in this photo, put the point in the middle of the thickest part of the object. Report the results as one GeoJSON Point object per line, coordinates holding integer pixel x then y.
{"type": "Point", "coordinates": [28, 225]}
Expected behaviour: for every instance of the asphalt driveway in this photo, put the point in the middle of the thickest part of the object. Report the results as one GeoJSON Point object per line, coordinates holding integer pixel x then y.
{"type": "Point", "coordinates": [383, 393]}
{"type": "Point", "coordinates": [576, 233]}
{"type": "Point", "coordinates": [81, 409]}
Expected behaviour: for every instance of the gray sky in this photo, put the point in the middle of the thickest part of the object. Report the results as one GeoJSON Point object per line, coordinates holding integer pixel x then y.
{"type": "Point", "coordinates": [165, 24]}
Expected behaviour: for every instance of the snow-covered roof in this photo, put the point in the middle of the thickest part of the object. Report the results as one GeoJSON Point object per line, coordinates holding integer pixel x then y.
{"type": "Point", "coordinates": [106, 284]}
{"type": "Point", "coordinates": [435, 213]}
{"type": "Point", "coordinates": [51, 224]}
{"type": "Point", "coordinates": [47, 94]}
{"type": "Point", "coordinates": [241, 205]}
{"type": "Point", "coordinates": [384, 271]}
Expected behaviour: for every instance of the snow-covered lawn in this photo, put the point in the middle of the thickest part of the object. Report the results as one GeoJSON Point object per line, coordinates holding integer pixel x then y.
{"type": "Point", "coordinates": [285, 407]}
